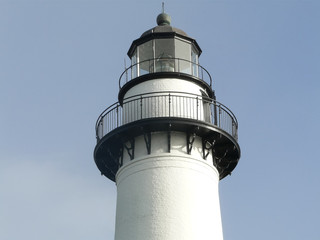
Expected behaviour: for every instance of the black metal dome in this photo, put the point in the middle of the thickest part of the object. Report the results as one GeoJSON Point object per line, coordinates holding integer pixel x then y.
{"type": "Point", "coordinates": [164, 21]}
{"type": "Point", "coordinates": [163, 30]}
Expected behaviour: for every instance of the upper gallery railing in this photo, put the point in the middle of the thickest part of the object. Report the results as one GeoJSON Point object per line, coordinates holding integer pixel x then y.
{"type": "Point", "coordinates": [157, 65]}
{"type": "Point", "coordinates": [167, 104]}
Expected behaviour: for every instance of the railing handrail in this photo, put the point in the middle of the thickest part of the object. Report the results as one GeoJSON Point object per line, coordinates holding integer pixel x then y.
{"type": "Point", "coordinates": [169, 94]}
{"type": "Point", "coordinates": [125, 72]}
{"type": "Point", "coordinates": [105, 112]}
{"type": "Point", "coordinates": [228, 111]}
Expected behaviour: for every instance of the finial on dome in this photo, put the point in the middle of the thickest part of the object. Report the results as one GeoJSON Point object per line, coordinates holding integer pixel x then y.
{"type": "Point", "coordinates": [163, 18]}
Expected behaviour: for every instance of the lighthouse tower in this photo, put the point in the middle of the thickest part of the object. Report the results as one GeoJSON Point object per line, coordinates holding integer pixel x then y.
{"type": "Point", "coordinates": [167, 141]}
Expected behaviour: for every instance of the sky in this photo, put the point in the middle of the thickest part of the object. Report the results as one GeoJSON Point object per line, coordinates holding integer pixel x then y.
{"type": "Point", "coordinates": [60, 62]}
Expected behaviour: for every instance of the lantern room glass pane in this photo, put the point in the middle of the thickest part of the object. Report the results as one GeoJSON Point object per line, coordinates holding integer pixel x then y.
{"type": "Point", "coordinates": [134, 69]}
{"type": "Point", "coordinates": [164, 55]}
{"type": "Point", "coordinates": [145, 57]}
{"type": "Point", "coordinates": [183, 55]}
{"type": "Point", "coordinates": [195, 62]}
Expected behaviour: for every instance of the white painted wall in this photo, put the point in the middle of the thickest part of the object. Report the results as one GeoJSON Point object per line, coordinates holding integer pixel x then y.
{"type": "Point", "coordinates": [191, 106]}
{"type": "Point", "coordinates": [159, 144]}
{"type": "Point", "coordinates": [168, 196]}
{"type": "Point", "coordinates": [164, 84]}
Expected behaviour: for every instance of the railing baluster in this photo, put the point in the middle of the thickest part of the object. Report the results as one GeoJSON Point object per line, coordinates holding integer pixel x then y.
{"type": "Point", "coordinates": [101, 129]}
{"type": "Point", "coordinates": [127, 75]}
{"type": "Point", "coordinates": [180, 107]}
{"type": "Point", "coordinates": [117, 115]}
{"type": "Point", "coordinates": [197, 108]}
{"type": "Point", "coordinates": [141, 107]}
{"type": "Point", "coordinates": [201, 74]}
{"type": "Point", "coordinates": [169, 105]}
{"type": "Point", "coordinates": [219, 122]}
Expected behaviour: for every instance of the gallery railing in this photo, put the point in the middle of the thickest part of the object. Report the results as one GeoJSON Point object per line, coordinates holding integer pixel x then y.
{"type": "Point", "coordinates": [167, 104]}
{"type": "Point", "coordinates": [157, 65]}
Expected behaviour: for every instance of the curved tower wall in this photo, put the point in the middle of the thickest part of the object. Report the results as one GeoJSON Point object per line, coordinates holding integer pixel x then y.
{"type": "Point", "coordinates": [185, 100]}
{"type": "Point", "coordinates": [165, 195]}
{"type": "Point", "coordinates": [168, 196]}
{"type": "Point", "coordinates": [165, 85]}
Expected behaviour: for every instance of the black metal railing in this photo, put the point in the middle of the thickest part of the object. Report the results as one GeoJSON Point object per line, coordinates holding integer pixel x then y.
{"type": "Point", "coordinates": [165, 65]}
{"type": "Point", "coordinates": [167, 104]}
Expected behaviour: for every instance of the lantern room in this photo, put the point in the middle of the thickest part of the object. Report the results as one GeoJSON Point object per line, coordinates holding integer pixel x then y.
{"type": "Point", "coordinates": [164, 49]}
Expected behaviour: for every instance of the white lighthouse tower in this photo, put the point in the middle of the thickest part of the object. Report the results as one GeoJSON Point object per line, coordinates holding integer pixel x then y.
{"type": "Point", "coordinates": [167, 142]}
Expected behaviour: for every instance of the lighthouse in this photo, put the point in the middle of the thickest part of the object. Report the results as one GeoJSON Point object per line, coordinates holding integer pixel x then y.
{"type": "Point", "coordinates": [167, 142]}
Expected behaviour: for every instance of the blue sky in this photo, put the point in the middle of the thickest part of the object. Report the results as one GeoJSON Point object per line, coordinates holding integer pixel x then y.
{"type": "Point", "coordinates": [60, 62]}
